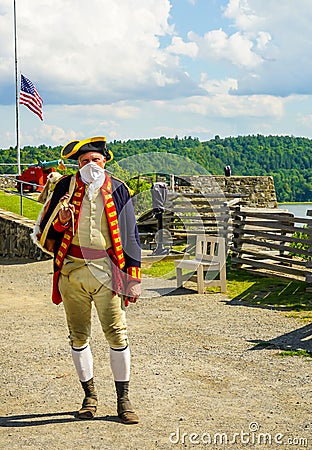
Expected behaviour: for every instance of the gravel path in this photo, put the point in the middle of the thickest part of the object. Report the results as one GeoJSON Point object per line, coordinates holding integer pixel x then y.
{"type": "Point", "coordinates": [196, 373]}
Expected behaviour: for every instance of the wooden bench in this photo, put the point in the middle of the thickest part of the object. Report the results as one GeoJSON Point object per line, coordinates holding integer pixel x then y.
{"type": "Point", "coordinates": [210, 256]}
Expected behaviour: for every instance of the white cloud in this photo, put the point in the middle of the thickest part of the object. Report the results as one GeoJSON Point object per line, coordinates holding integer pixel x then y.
{"type": "Point", "coordinates": [179, 47]}
{"type": "Point", "coordinates": [55, 134]}
{"type": "Point", "coordinates": [263, 39]}
{"type": "Point", "coordinates": [306, 120]}
{"type": "Point", "coordinates": [245, 18]}
{"type": "Point", "coordinates": [281, 31]}
{"type": "Point", "coordinates": [217, 86]}
{"type": "Point", "coordinates": [269, 46]}
{"type": "Point", "coordinates": [236, 48]}
{"type": "Point", "coordinates": [224, 105]}
{"type": "Point", "coordinates": [100, 49]}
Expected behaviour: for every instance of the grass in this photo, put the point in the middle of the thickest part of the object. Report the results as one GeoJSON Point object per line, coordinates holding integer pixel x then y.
{"type": "Point", "coordinates": [302, 353]}
{"type": "Point", "coordinates": [159, 269]}
{"type": "Point", "coordinates": [11, 202]}
{"type": "Point", "coordinates": [285, 294]}
{"type": "Point", "coordinates": [294, 203]}
{"type": "Point", "coordinates": [283, 353]}
{"type": "Point", "coordinates": [245, 287]}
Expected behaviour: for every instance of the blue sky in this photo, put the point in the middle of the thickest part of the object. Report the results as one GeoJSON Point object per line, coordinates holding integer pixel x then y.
{"type": "Point", "coordinates": [148, 68]}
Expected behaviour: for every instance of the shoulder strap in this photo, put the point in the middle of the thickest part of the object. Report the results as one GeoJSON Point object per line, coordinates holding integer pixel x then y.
{"type": "Point", "coordinates": [55, 212]}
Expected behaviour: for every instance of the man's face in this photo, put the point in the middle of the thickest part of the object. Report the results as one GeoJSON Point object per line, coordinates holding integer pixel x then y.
{"type": "Point", "coordinates": [95, 157]}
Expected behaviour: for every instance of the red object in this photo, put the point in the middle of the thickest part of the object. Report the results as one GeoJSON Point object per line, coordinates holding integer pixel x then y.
{"type": "Point", "coordinates": [33, 174]}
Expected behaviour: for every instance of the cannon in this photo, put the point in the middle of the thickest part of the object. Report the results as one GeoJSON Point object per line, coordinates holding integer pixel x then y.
{"type": "Point", "coordinates": [36, 175]}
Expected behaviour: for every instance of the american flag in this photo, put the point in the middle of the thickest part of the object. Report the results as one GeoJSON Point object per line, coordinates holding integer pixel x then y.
{"type": "Point", "coordinates": [29, 96]}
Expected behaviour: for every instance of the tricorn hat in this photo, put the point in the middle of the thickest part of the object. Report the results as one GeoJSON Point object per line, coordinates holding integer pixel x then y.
{"type": "Point", "coordinates": [74, 149]}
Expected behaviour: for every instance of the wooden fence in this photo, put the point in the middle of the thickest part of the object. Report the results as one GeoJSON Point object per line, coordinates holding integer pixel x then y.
{"type": "Point", "coordinates": [273, 241]}
{"type": "Point", "coordinates": [188, 215]}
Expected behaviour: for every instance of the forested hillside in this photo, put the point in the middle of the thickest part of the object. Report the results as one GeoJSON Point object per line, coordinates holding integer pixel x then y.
{"type": "Point", "coordinates": [288, 159]}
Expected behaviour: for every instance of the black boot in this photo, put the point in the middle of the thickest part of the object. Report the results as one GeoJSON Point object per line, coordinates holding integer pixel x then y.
{"type": "Point", "coordinates": [89, 403]}
{"type": "Point", "coordinates": [124, 407]}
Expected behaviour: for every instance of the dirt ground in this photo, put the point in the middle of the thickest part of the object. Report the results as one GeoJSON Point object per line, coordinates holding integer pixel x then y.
{"type": "Point", "coordinates": [198, 379]}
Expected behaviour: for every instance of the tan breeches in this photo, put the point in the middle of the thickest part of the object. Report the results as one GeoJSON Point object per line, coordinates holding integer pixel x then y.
{"type": "Point", "coordinates": [79, 289]}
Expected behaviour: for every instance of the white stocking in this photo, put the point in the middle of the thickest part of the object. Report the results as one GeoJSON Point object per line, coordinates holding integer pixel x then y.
{"type": "Point", "coordinates": [83, 361]}
{"type": "Point", "coordinates": [120, 363]}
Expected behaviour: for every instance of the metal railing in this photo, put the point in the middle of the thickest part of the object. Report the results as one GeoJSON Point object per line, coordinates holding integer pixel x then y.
{"type": "Point", "coordinates": [19, 191]}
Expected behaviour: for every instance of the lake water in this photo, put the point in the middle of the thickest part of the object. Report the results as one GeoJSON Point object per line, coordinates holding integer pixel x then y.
{"type": "Point", "coordinates": [298, 209]}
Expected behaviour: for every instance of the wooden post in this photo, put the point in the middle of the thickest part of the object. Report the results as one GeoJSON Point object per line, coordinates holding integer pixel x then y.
{"type": "Point", "coordinates": [225, 221]}
{"type": "Point", "coordinates": [285, 233]}
{"type": "Point", "coordinates": [237, 245]}
{"type": "Point", "coordinates": [309, 263]}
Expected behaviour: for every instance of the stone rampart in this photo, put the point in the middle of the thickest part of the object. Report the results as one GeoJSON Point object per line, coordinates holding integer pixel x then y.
{"type": "Point", "coordinates": [255, 192]}
{"type": "Point", "coordinates": [7, 181]}
{"type": "Point", "coordinates": [15, 240]}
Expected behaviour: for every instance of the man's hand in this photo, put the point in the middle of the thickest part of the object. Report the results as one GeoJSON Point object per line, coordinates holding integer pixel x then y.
{"type": "Point", "coordinates": [65, 213]}
{"type": "Point", "coordinates": [133, 291]}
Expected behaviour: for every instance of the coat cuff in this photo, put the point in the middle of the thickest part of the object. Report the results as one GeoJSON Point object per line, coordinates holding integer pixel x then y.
{"type": "Point", "coordinates": [134, 274]}
{"type": "Point", "coordinates": [58, 226]}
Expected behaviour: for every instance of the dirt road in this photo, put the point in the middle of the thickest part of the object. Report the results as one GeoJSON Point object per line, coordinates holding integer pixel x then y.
{"type": "Point", "coordinates": [198, 381]}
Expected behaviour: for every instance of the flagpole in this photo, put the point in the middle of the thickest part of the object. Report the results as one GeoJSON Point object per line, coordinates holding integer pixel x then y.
{"type": "Point", "coordinates": [16, 95]}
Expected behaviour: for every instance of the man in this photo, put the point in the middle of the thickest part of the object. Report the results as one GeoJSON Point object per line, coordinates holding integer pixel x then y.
{"type": "Point", "coordinates": [96, 259]}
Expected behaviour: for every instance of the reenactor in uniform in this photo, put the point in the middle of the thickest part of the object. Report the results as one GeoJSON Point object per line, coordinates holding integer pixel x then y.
{"type": "Point", "coordinates": [91, 226]}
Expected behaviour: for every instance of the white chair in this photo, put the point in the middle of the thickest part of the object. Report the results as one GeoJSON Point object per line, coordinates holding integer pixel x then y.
{"type": "Point", "coordinates": [209, 257]}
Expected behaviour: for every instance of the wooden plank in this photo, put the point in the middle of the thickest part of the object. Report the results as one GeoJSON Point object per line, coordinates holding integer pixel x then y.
{"type": "Point", "coordinates": [268, 266]}
{"type": "Point", "coordinates": [204, 226]}
{"type": "Point", "coordinates": [185, 233]}
{"type": "Point", "coordinates": [270, 245]}
{"type": "Point", "coordinates": [202, 218]}
{"type": "Point", "coordinates": [196, 224]}
{"type": "Point", "coordinates": [275, 257]}
{"type": "Point", "coordinates": [274, 237]}
{"type": "Point", "coordinates": [177, 194]}
{"type": "Point", "coordinates": [268, 224]}
{"type": "Point", "coordinates": [198, 201]}
{"type": "Point", "coordinates": [233, 202]}
{"type": "Point", "coordinates": [279, 217]}
{"type": "Point", "coordinates": [201, 211]}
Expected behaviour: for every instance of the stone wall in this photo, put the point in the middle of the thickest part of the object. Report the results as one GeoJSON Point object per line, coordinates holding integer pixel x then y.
{"type": "Point", "coordinates": [255, 192]}
{"type": "Point", "coordinates": [15, 240]}
{"type": "Point", "coordinates": [7, 181]}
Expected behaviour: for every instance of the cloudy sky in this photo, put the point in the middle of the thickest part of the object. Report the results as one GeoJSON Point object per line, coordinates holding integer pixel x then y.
{"type": "Point", "coordinates": [131, 69]}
